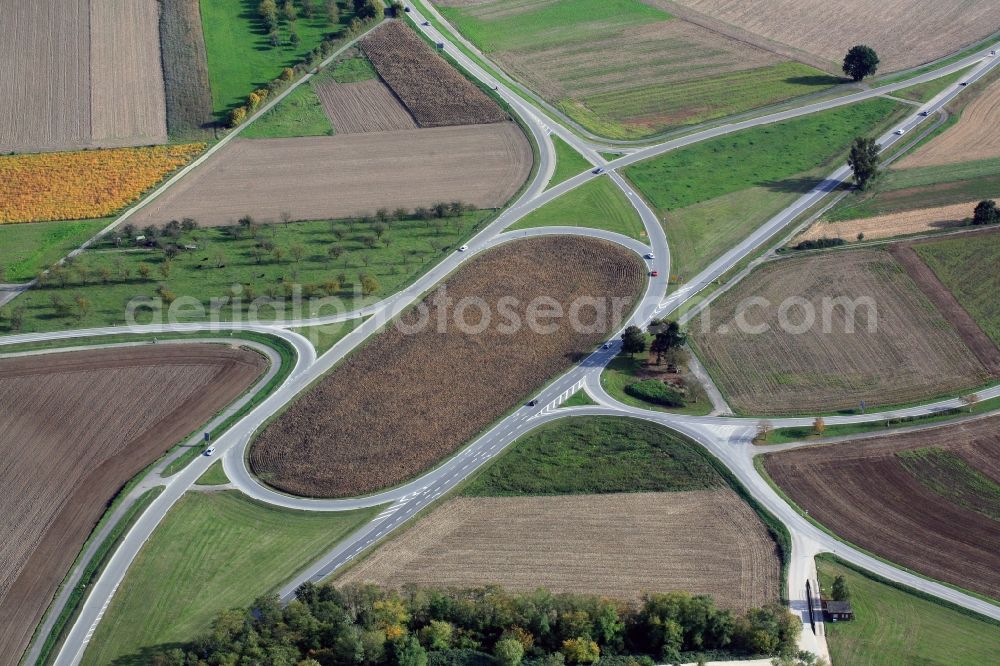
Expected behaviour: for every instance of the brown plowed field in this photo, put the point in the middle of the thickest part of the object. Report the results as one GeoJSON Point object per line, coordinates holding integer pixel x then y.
{"type": "Point", "coordinates": [80, 73]}
{"type": "Point", "coordinates": [185, 66]}
{"type": "Point", "coordinates": [894, 224]}
{"type": "Point", "coordinates": [905, 33]}
{"type": "Point", "coordinates": [126, 76]}
{"type": "Point", "coordinates": [76, 426]}
{"type": "Point", "coordinates": [408, 399]}
{"type": "Point", "coordinates": [365, 106]}
{"type": "Point", "coordinates": [619, 546]}
{"type": "Point", "coordinates": [314, 178]}
{"type": "Point", "coordinates": [944, 300]}
{"type": "Point", "coordinates": [865, 493]}
{"type": "Point", "coordinates": [911, 354]}
{"type": "Point", "coordinates": [974, 136]}
{"type": "Point", "coordinates": [435, 92]}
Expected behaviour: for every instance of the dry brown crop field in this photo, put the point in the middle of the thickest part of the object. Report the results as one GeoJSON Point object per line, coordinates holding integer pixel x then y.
{"type": "Point", "coordinates": [901, 348]}
{"type": "Point", "coordinates": [921, 220]}
{"type": "Point", "coordinates": [80, 73]}
{"type": "Point", "coordinates": [363, 106]}
{"type": "Point", "coordinates": [314, 178]}
{"type": "Point", "coordinates": [435, 92]}
{"type": "Point", "coordinates": [973, 137]}
{"type": "Point", "coordinates": [185, 66]}
{"type": "Point", "coordinates": [618, 546]}
{"type": "Point", "coordinates": [76, 426]}
{"type": "Point", "coordinates": [927, 500]}
{"type": "Point", "coordinates": [905, 33]}
{"type": "Point", "coordinates": [408, 399]}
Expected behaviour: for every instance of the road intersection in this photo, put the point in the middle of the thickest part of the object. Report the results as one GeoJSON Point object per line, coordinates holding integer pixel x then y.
{"type": "Point", "coordinates": [727, 438]}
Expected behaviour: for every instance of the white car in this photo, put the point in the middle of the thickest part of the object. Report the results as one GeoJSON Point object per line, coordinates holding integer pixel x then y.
{"type": "Point", "coordinates": [463, 248]}
{"type": "Point", "coordinates": [901, 131]}
{"type": "Point", "coordinates": [650, 256]}
{"type": "Point", "coordinates": [209, 451]}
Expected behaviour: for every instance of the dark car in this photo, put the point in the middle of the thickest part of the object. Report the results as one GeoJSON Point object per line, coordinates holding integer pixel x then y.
{"type": "Point", "coordinates": [532, 403]}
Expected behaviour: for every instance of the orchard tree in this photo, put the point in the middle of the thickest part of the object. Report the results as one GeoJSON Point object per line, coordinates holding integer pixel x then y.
{"type": "Point", "coordinates": [860, 61]}
{"type": "Point", "coordinates": [864, 161]}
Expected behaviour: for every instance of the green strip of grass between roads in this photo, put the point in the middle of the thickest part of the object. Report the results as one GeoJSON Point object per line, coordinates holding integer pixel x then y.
{"type": "Point", "coordinates": [597, 204]}
{"type": "Point", "coordinates": [578, 399]}
{"type": "Point", "coordinates": [758, 463]}
{"type": "Point", "coordinates": [799, 433]}
{"type": "Point", "coordinates": [894, 624]}
{"type": "Point", "coordinates": [91, 573]}
{"type": "Point", "coordinates": [213, 476]}
{"type": "Point", "coordinates": [568, 162]}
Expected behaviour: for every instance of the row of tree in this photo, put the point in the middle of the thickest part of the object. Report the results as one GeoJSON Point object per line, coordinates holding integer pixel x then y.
{"type": "Point", "coordinates": [371, 626]}
{"type": "Point", "coordinates": [667, 337]}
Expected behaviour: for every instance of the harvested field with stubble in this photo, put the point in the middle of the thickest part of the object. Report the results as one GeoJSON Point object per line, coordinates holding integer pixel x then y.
{"type": "Point", "coordinates": [81, 74]}
{"type": "Point", "coordinates": [406, 400]}
{"type": "Point", "coordinates": [927, 500]}
{"type": "Point", "coordinates": [905, 33]}
{"type": "Point", "coordinates": [76, 426]}
{"type": "Point", "coordinates": [363, 106]}
{"type": "Point", "coordinates": [901, 349]}
{"type": "Point", "coordinates": [436, 93]}
{"type": "Point", "coordinates": [185, 66]}
{"type": "Point", "coordinates": [939, 218]}
{"type": "Point", "coordinates": [618, 546]}
{"type": "Point", "coordinates": [481, 165]}
{"type": "Point", "coordinates": [974, 137]}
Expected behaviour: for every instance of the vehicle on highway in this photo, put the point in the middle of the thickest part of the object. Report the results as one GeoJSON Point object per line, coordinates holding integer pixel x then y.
{"type": "Point", "coordinates": [924, 113]}
{"type": "Point", "coordinates": [654, 273]}
{"type": "Point", "coordinates": [649, 255]}
{"type": "Point", "coordinates": [598, 171]}
{"type": "Point", "coordinates": [964, 83]}
{"type": "Point", "coordinates": [901, 131]}
{"type": "Point", "coordinates": [406, 9]}
{"type": "Point", "coordinates": [426, 23]}
{"type": "Point", "coordinates": [209, 451]}
{"type": "Point", "coordinates": [532, 403]}
{"type": "Point", "coordinates": [993, 52]}
{"type": "Point", "coordinates": [463, 248]}
{"type": "Point", "coordinates": [606, 345]}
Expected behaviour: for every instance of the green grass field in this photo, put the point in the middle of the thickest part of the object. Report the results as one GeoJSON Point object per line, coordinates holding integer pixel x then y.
{"type": "Point", "coordinates": [694, 101]}
{"type": "Point", "coordinates": [240, 57]}
{"type": "Point", "coordinates": [26, 249]}
{"type": "Point", "coordinates": [324, 336]}
{"type": "Point", "coordinates": [213, 476]}
{"type": "Point", "coordinates": [222, 261]}
{"type": "Point", "coordinates": [350, 70]}
{"type": "Point", "coordinates": [597, 454]}
{"type": "Point", "coordinates": [598, 204]}
{"type": "Point", "coordinates": [213, 551]}
{"type": "Point", "coordinates": [624, 369]}
{"type": "Point", "coordinates": [562, 21]}
{"type": "Point", "coordinates": [968, 267]}
{"type": "Point", "coordinates": [711, 195]}
{"type": "Point", "coordinates": [893, 626]}
{"type": "Point", "coordinates": [568, 162]}
{"type": "Point", "coordinates": [768, 156]}
{"type": "Point", "coordinates": [299, 114]}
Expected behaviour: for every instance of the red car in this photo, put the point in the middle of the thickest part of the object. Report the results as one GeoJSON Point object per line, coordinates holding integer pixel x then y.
{"type": "Point", "coordinates": [653, 273]}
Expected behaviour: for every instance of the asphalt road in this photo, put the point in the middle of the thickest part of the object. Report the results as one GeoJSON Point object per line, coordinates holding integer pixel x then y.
{"type": "Point", "coordinates": [726, 438]}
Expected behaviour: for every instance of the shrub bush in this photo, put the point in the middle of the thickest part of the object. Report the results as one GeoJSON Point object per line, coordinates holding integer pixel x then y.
{"type": "Point", "coordinates": [656, 392]}
{"type": "Point", "coordinates": [819, 243]}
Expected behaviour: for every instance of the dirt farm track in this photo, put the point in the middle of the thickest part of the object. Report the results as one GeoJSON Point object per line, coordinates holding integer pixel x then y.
{"type": "Point", "coordinates": [482, 165]}
{"type": "Point", "coordinates": [127, 406]}
{"type": "Point", "coordinates": [617, 545]}
{"type": "Point", "coordinates": [920, 499]}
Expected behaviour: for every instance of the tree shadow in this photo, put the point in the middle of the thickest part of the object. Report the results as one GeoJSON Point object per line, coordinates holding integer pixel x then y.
{"type": "Point", "coordinates": [800, 184]}
{"type": "Point", "coordinates": [145, 655]}
{"type": "Point", "coordinates": [817, 80]}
